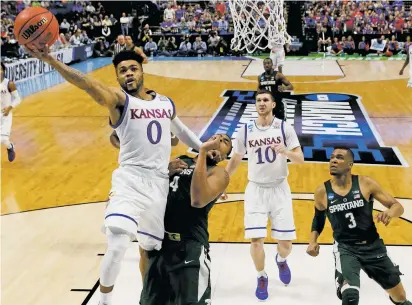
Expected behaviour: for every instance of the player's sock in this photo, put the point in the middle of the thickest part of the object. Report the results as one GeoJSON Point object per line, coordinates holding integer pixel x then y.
{"type": "Point", "coordinates": [350, 296]}
{"type": "Point", "coordinates": [262, 273]}
{"type": "Point", "coordinates": [10, 145]}
{"type": "Point", "coordinates": [106, 298]}
{"type": "Point", "coordinates": [400, 303]}
{"type": "Point", "coordinates": [280, 259]}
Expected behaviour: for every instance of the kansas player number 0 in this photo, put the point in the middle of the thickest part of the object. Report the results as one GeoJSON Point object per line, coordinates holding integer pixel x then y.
{"type": "Point", "coordinates": [150, 132]}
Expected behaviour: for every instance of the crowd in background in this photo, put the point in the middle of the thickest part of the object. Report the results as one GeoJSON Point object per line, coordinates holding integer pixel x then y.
{"type": "Point", "coordinates": [197, 28]}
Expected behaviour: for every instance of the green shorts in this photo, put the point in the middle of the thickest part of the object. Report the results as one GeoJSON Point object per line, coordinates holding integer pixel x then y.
{"type": "Point", "coordinates": [178, 274]}
{"type": "Point", "coordinates": [371, 258]}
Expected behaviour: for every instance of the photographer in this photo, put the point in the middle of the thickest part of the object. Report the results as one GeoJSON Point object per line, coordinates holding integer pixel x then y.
{"type": "Point", "coordinates": [171, 47]}
{"type": "Point", "coordinates": [185, 48]}
{"type": "Point", "coordinates": [213, 43]}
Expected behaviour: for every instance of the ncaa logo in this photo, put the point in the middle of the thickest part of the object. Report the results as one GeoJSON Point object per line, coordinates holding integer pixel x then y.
{"type": "Point", "coordinates": [321, 121]}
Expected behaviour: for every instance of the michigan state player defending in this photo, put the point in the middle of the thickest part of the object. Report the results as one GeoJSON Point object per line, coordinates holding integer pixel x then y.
{"type": "Point", "coordinates": [273, 81]}
{"type": "Point", "coordinates": [143, 122]}
{"type": "Point", "coordinates": [268, 142]}
{"type": "Point", "coordinates": [9, 100]}
{"type": "Point", "coordinates": [347, 201]}
{"type": "Point", "coordinates": [408, 59]}
{"type": "Point", "coordinates": [180, 273]}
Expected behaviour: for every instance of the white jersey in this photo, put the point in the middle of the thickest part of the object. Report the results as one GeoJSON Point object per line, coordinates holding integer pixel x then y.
{"type": "Point", "coordinates": [5, 94]}
{"type": "Point", "coordinates": [264, 166]}
{"type": "Point", "coordinates": [144, 133]}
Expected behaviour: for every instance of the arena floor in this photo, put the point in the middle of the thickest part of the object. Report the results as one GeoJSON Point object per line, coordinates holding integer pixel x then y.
{"type": "Point", "coordinates": [53, 194]}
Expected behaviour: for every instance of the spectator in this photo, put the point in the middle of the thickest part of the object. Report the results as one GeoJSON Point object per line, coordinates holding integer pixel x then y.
{"type": "Point", "coordinates": [363, 47]}
{"type": "Point", "coordinates": [393, 46]}
{"type": "Point", "coordinates": [348, 45]}
{"type": "Point", "coordinates": [100, 8]}
{"type": "Point", "coordinates": [112, 19]}
{"type": "Point", "coordinates": [336, 47]}
{"type": "Point", "coordinates": [199, 46]}
{"type": "Point", "coordinates": [64, 26]}
{"type": "Point", "coordinates": [90, 8]}
{"type": "Point", "coordinates": [144, 35]}
{"type": "Point", "coordinates": [166, 26]}
{"type": "Point", "coordinates": [75, 40]}
{"type": "Point", "coordinates": [323, 44]}
{"type": "Point", "coordinates": [150, 47]}
{"type": "Point", "coordinates": [213, 43]}
{"type": "Point", "coordinates": [171, 46]}
{"type": "Point", "coordinates": [124, 24]}
{"type": "Point", "coordinates": [185, 47]}
{"type": "Point", "coordinates": [169, 13]}
{"type": "Point", "coordinates": [106, 32]}
{"type": "Point", "coordinates": [85, 38]}
{"type": "Point", "coordinates": [106, 21]}
{"type": "Point", "coordinates": [162, 45]}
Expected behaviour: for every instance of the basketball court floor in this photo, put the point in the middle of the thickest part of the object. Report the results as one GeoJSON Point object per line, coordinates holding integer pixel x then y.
{"type": "Point", "coordinates": [53, 196]}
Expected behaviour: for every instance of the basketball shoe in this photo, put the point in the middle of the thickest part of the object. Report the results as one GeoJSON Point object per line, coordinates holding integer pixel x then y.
{"type": "Point", "coordinates": [284, 271]}
{"type": "Point", "coordinates": [262, 288]}
{"type": "Point", "coordinates": [11, 154]}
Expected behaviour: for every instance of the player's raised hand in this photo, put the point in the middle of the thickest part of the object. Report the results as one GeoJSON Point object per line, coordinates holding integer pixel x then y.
{"type": "Point", "coordinates": [212, 144]}
{"type": "Point", "coordinates": [279, 149]}
{"type": "Point", "coordinates": [176, 166]}
{"type": "Point", "coordinates": [41, 53]}
{"type": "Point", "coordinates": [313, 249]}
{"type": "Point", "coordinates": [384, 217]}
{"type": "Point", "coordinates": [281, 88]}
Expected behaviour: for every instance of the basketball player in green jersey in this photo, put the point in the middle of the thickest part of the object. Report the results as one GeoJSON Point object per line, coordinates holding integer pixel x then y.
{"type": "Point", "coordinates": [179, 273]}
{"type": "Point", "coordinates": [347, 201]}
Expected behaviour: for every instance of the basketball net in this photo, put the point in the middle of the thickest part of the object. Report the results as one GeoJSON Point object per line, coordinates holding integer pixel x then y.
{"type": "Point", "coordinates": [258, 24]}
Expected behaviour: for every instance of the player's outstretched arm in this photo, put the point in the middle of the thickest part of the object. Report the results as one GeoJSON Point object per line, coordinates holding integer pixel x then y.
{"type": "Point", "coordinates": [318, 222]}
{"type": "Point", "coordinates": [184, 133]}
{"type": "Point", "coordinates": [101, 93]}
{"type": "Point", "coordinates": [395, 208]}
{"type": "Point", "coordinates": [404, 65]}
{"type": "Point", "coordinates": [207, 186]}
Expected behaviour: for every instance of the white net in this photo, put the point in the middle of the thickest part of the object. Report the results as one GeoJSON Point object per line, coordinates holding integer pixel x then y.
{"type": "Point", "coordinates": [258, 24]}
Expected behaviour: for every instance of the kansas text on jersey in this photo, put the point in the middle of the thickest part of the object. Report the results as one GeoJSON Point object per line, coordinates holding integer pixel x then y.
{"type": "Point", "coordinates": [144, 133]}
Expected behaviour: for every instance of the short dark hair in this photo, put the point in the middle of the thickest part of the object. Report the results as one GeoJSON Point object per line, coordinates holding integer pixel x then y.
{"type": "Point", "coordinates": [264, 91]}
{"type": "Point", "coordinates": [127, 55]}
{"type": "Point", "coordinates": [347, 149]}
{"type": "Point", "coordinates": [268, 58]}
{"type": "Point", "coordinates": [3, 66]}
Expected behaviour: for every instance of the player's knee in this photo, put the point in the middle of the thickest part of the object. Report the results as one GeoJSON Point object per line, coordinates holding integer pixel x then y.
{"type": "Point", "coordinates": [117, 245]}
{"type": "Point", "coordinates": [350, 295]}
{"type": "Point", "coordinates": [286, 245]}
{"type": "Point", "coordinates": [257, 243]}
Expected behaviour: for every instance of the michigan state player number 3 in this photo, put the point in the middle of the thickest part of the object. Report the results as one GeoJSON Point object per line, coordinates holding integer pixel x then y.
{"type": "Point", "coordinates": [352, 222]}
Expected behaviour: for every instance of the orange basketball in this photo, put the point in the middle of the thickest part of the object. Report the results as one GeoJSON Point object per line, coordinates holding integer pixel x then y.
{"type": "Point", "coordinates": [36, 26]}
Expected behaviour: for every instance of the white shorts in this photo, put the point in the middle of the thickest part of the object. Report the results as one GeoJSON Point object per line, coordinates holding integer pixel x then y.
{"type": "Point", "coordinates": [278, 58]}
{"type": "Point", "coordinates": [274, 202]}
{"type": "Point", "coordinates": [137, 204]}
{"type": "Point", "coordinates": [6, 124]}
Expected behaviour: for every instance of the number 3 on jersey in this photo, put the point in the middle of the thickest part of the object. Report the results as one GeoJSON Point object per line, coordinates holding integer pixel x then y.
{"type": "Point", "coordinates": [150, 132]}
{"type": "Point", "coordinates": [175, 183]}
{"type": "Point", "coordinates": [352, 223]}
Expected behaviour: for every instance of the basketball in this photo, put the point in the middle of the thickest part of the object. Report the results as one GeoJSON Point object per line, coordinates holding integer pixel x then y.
{"type": "Point", "coordinates": [36, 26]}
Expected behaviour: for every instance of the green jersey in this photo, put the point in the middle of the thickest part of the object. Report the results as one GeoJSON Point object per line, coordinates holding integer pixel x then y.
{"type": "Point", "coordinates": [351, 215]}
{"type": "Point", "coordinates": [182, 221]}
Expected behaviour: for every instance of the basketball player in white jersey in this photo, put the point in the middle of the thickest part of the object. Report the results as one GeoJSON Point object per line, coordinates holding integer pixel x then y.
{"type": "Point", "coordinates": [9, 100]}
{"type": "Point", "coordinates": [143, 122]}
{"type": "Point", "coordinates": [277, 55]}
{"type": "Point", "coordinates": [408, 59]}
{"type": "Point", "coordinates": [268, 142]}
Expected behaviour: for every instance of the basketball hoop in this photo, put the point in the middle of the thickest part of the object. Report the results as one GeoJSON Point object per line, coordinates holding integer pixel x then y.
{"type": "Point", "coordinates": [258, 24]}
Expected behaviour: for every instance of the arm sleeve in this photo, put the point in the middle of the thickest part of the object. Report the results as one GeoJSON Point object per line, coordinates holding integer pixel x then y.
{"type": "Point", "coordinates": [240, 141]}
{"type": "Point", "coordinates": [290, 136]}
{"type": "Point", "coordinates": [185, 134]}
{"type": "Point", "coordinates": [319, 221]}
